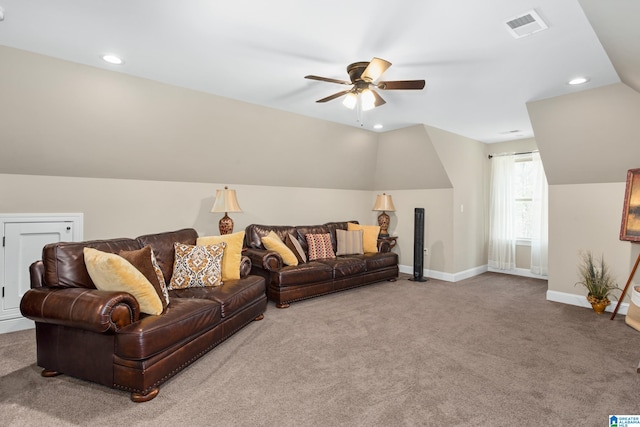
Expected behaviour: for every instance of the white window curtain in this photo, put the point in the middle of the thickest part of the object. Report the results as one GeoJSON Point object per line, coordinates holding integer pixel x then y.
{"type": "Point", "coordinates": [540, 220]}
{"type": "Point", "coordinates": [502, 215]}
{"type": "Point", "coordinates": [502, 239]}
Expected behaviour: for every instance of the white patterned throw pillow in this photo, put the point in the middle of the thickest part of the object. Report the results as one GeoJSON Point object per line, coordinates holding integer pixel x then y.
{"type": "Point", "coordinates": [197, 266]}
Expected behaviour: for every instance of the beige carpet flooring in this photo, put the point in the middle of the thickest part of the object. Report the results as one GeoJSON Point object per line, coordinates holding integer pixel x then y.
{"type": "Point", "coordinates": [487, 351]}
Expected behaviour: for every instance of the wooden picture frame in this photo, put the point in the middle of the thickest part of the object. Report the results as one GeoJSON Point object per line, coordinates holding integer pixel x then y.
{"type": "Point", "coordinates": [630, 227]}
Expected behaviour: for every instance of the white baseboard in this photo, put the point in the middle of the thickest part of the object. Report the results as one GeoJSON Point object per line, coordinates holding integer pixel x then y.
{"type": "Point", "coordinates": [475, 271]}
{"type": "Point", "coordinates": [555, 296]}
{"type": "Point", "coordinates": [581, 301]}
{"type": "Point", "coordinates": [447, 277]}
{"type": "Point", "coordinates": [408, 269]}
{"type": "Point", "coordinates": [13, 325]}
{"type": "Point", "coordinates": [518, 272]}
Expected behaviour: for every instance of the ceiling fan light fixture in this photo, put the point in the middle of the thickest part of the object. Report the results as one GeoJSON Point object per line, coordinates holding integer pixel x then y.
{"type": "Point", "coordinates": [350, 100]}
{"type": "Point", "coordinates": [368, 100]}
{"type": "Point", "coordinates": [363, 76]}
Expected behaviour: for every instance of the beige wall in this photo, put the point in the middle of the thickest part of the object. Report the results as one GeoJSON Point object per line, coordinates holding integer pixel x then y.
{"type": "Point", "coordinates": [407, 159]}
{"type": "Point", "coordinates": [128, 208]}
{"type": "Point", "coordinates": [586, 217]}
{"type": "Point", "coordinates": [410, 170]}
{"type": "Point", "coordinates": [589, 136]}
{"type": "Point", "coordinates": [136, 156]}
{"type": "Point", "coordinates": [63, 119]}
{"type": "Point", "coordinates": [455, 222]}
{"type": "Point", "coordinates": [587, 142]}
{"type": "Point", "coordinates": [438, 227]}
{"type": "Point", "coordinates": [465, 163]}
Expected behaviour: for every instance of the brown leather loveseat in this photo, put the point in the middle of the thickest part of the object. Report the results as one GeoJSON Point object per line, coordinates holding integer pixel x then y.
{"type": "Point", "coordinates": [101, 336]}
{"type": "Point", "coordinates": [289, 283]}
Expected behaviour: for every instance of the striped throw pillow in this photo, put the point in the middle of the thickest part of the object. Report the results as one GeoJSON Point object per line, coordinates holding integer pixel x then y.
{"type": "Point", "coordinates": [292, 243]}
{"type": "Point", "coordinates": [369, 237]}
{"type": "Point", "coordinates": [349, 242]}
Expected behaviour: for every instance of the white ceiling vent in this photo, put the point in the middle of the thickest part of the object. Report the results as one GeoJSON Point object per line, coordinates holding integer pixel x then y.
{"type": "Point", "coordinates": [526, 24]}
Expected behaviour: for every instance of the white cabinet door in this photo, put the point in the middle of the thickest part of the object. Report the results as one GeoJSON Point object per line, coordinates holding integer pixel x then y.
{"type": "Point", "coordinates": [23, 243]}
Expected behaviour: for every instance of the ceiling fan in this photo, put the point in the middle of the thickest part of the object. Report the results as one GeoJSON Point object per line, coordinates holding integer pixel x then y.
{"type": "Point", "coordinates": [363, 76]}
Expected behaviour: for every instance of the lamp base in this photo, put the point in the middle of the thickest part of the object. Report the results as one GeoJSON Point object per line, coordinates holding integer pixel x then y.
{"type": "Point", "coordinates": [225, 225]}
{"type": "Point", "coordinates": [383, 222]}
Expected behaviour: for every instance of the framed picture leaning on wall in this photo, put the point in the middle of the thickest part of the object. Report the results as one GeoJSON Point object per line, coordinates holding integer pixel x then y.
{"type": "Point", "coordinates": [630, 227]}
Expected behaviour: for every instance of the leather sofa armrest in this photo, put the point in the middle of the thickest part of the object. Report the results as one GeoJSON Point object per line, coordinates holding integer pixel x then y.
{"type": "Point", "coordinates": [384, 246]}
{"type": "Point", "coordinates": [267, 260]}
{"type": "Point", "coordinates": [89, 309]}
{"type": "Point", "coordinates": [36, 274]}
{"type": "Point", "coordinates": [245, 266]}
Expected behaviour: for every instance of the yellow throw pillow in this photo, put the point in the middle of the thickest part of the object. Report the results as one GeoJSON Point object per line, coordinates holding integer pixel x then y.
{"type": "Point", "coordinates": [111, 272]}
{"type": "Point", "coordinates": [232, 252]}
{"type": "Point", "coordinates": [369, 236]}
{"type": "Point", "coordinates": [274, 243]}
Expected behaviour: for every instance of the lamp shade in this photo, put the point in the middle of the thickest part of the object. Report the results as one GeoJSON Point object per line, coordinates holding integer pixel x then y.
{"type": "Point", "coordinates": [350, 100]}
{"type": "Point", "coordinates": [368, 100]}
{"type": "Point", "coordinates": [226, 201]}
{"type": "Point", "coordinates": [384, 203]}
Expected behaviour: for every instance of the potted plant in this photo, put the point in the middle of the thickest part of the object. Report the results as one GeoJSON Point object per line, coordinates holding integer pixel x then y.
{"type": "Point", "coordinates": [595, 277]}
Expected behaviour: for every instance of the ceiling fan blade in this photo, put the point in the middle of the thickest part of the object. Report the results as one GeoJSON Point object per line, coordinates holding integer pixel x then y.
{"type": "Point", "coordinates": [375, 69]}
{"type": "Point", "coordinates": [401, 84]}
{"type": "Point", "coordinates": [334, 96]}
{"type": "Point", "coordinates": [326, 79]}
{"type": "Point", "coordinates": [379, 101]}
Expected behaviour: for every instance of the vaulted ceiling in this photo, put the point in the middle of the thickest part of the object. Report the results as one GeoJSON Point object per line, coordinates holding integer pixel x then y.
{"type": "Point", "coordinates": [615, 23]}
{"type": "Point", "coordinates": [479, 77]}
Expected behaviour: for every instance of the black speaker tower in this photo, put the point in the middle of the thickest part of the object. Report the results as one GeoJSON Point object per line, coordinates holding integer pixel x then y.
{"type": "Point", "coordinates": [418, 246]}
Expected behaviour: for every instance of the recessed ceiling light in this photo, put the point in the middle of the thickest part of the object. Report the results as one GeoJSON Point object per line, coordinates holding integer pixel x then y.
{"type": "Point", "coordinates": [578, 81]}
{"type": "Point", "coordinates": [378, 126]}
{"type": "Point", "coordinates": [112, 59]}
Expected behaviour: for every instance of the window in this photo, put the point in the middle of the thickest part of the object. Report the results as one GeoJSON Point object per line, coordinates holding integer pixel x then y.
{"type": "Point", "coordinates": [523, 186]}
{"type": "Point", "coordinates": [518, 211]}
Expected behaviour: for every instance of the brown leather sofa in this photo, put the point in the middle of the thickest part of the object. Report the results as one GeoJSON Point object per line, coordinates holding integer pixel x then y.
{"type": "Point", "coordinates": [101, 336]}
{"type": "Point", "coordinates": [286, 283]}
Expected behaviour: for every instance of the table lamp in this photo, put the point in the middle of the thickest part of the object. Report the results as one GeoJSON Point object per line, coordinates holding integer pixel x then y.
{"type": "Point", "coordinates": [384, 203]}
{"type": "Point", "coordinates": [226, 202]}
